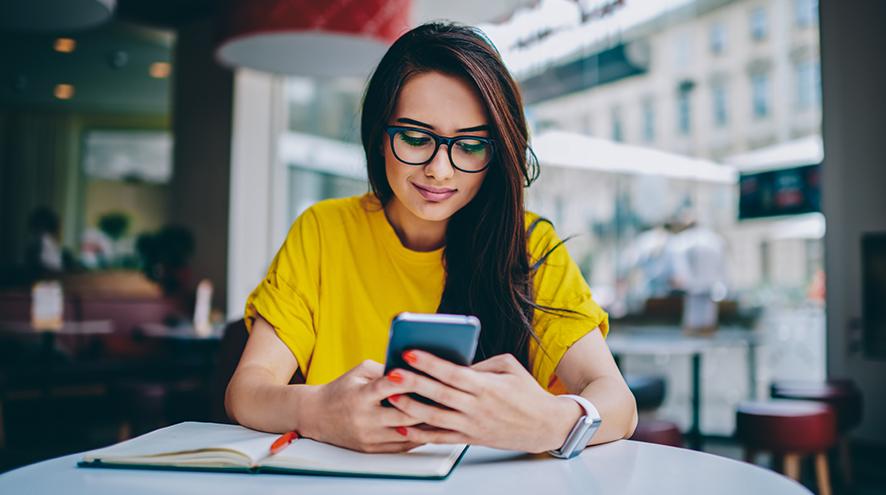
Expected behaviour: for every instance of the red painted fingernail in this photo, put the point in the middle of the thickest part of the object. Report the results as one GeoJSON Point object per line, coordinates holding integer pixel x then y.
{"type": "Point", "coordinates": [410, 357]}
{"type": "Point", "coordinates": [395, 377]}
{"type": "Point", "coordinates": [401, 430]}
{"type": "Point", "coordinates": [394, 398]}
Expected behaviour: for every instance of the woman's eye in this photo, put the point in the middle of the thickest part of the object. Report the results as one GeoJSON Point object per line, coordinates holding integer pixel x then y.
{"type": "Point", "coordinates": [414, 138]}
{"type": "Point", "coordinates": [472, 147]}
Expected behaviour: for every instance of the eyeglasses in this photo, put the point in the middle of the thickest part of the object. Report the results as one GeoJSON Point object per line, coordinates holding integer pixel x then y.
{"type": "Point", "coordinates": [413, 146]}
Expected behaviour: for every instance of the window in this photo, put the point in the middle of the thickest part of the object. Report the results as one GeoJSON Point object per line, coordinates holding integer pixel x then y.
{"type": "Point", "coordinates": [718, 92]}
{"type": "Point", "coordinates": [683, 112]}
{"type": "Point", "coordinates": [760, 94]}
{"type": "Point", "coordinates": [648, 120]}
{"type": "Point", "coordinates": [587, 124]}
{"type": "Point", "coordinates": [807, 76]}
{"type": "Point", "coordinates": [682, 48]}
{"type": "Point", "coordinates": [718, 38]}
{"type": "Point", "coordinates": [307, 186]}
{"type": "Point", "coordinates": [806, 13]}
{"type": "Point", "coordinates": [545, 125]}
{"type": "Point", "coordinates": [617, 126]}
{"type": "Point", "coordinates": [758, 24]}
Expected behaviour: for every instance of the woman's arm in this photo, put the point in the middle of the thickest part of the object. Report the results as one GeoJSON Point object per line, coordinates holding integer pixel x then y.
{"type": "Point", "coordinates": [589, 370]}
{"type": "Point", "coordinates": [259, 390]}
{"type": "Point", "coordinates": [346, 412]}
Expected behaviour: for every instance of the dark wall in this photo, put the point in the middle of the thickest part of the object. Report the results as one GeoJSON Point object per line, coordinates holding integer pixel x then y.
{"type": "Point", "coordinates": [853, 40]}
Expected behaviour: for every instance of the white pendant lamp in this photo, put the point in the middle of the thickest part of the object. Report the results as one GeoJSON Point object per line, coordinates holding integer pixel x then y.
{"type": "Point", "coordinates": [54, 15]}
{"type": "Point", "coordinates": [309, 37]}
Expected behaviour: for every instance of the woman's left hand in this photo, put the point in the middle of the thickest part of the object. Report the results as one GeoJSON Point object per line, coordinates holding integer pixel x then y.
{"type": "Point", "coordinates": [495, 403]}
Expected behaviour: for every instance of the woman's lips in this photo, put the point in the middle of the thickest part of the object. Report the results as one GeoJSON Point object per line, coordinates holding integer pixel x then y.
{"type": "Point", "coordinates": [433, 195]}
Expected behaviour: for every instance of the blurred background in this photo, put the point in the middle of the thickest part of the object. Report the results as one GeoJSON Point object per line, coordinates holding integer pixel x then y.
{"type": "Point", "coordinates": [716, 162]}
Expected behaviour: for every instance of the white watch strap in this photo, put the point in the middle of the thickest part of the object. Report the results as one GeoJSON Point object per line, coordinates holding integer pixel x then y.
{"type": "Point", "coordinates": [585, 404]}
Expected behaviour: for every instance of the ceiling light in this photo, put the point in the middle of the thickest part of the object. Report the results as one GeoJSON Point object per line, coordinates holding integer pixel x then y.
{"type": "Point", "coordinates": [160, 70]}
{"type": "Point", "coordinates": [65, 45]}
{"type": "Point", "coordinates": [64, 91]}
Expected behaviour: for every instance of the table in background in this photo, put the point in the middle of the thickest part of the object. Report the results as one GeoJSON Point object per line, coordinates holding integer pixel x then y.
{"type": "Point", "coordinates": [666, 340]}
{"type": "Point", "coordinates": [69, 329]}
{"type": "Point", "coordinates": [624, 468]}
{"type": "Point", "coordinates": [185, 332]}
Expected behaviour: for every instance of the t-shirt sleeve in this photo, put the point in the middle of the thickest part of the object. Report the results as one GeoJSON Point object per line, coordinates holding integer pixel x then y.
{"type": "Point", "coordinates": [559, 284]}
{"type": "Point", "coordinates": [288, 296]}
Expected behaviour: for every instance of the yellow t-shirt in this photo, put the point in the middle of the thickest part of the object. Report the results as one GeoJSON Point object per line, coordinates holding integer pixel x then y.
{"type": "Point", "coordinates": [342, 275]}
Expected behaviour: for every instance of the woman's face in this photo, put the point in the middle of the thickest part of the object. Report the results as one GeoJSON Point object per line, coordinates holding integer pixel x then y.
{"type": "Point", "coordinates": [447, 106]}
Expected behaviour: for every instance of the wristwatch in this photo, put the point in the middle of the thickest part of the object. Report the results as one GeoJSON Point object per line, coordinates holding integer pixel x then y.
{"type": "Point", "coordinates": [582, 432]}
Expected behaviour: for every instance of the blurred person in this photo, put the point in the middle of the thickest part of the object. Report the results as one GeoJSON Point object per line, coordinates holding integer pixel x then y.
{"type": "Point", "coordinates": [443, 230]}
{"type": "Point", "coordinates": [645, 270]}
{"type": "Point", "coordinates": [698, 264]}
{"type": "Point", "coordinates": [95, 248]}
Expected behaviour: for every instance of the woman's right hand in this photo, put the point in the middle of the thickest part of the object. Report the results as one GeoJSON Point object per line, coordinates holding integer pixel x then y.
{"type": "Point", "coordinates": [347, 412]}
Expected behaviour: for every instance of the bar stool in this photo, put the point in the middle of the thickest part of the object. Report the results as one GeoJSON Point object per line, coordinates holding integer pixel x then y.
{"type": "Point", "coordinates": [649, 392]}
{"type": "Point", "coordinates": [658, 431]}
{"type": "Point", "coordinates": [792, 429]}
{"type": "Point", "coordinates": [842, 395]}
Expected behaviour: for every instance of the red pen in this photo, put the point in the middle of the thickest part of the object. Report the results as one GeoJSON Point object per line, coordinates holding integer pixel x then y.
{"type": "Point", "coordinates": [282, 442]}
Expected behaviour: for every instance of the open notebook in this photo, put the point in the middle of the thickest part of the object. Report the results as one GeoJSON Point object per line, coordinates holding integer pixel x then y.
{"type": "Point", "coordinates": [220, 447]}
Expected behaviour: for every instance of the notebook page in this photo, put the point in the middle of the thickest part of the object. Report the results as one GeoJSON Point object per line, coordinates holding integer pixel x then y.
{"type": "Point", "coordinates": [426, 460]}
{"type": "Point", "coordinates": [188, 437]}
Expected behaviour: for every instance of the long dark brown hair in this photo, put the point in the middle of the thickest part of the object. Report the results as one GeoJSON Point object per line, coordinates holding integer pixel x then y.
{"type": "Point", "coordinates": [488, 270]}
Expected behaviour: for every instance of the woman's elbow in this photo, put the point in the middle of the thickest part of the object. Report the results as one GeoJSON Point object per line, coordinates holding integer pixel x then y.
{"type": "Point", "coordinates": [631, 408]}
{"type": "Point", "coordinates": [231, 401]}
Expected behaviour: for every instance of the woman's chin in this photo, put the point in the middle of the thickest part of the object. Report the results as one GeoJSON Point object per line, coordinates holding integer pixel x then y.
{"type": "Point", "coordinates": [430, 211]}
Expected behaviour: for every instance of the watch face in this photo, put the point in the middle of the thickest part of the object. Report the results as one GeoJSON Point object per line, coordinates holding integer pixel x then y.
{"type": "Point", "coordinates": [578, 438]}
{"type": "Point", "coordinates": [582, 432]}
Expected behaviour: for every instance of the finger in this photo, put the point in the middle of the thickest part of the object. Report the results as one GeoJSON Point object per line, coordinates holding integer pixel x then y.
{"type": "Point", "coordinates": [460, 377]}
{"type": "Point", "coordinates": [432, 415]}
{"type": "Point", "coordinates": [385, 435]}
{"type": "Point", "coordinates": [385, 386]}
{"type": "Point", "coordinates": [392, 447]}
{"type": "Point", "coordinates": [501, 363]}
{"type": "Point", "coordinates": [392, 417]}
{"type": "Point", "coordinates": [438, 392]}
{"type": "Point", "coordinates": [436, 436]}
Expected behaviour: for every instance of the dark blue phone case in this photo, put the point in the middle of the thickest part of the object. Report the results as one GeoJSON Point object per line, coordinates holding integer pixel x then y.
{"type": "Point", "coordinates": [450, 337]}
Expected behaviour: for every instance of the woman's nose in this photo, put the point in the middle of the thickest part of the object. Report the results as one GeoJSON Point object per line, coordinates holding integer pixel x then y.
{"type": "Point", "coordinates": [440, 167]}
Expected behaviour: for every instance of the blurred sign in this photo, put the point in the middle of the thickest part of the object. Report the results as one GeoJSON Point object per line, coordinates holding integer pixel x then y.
{"type": "Point", "coordinates": [788, 191]}
{"type": "Point", "coordinates": [47, 305]}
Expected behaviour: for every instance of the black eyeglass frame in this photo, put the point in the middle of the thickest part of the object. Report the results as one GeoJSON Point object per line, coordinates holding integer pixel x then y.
{"type": "Point", "coordinates": [392, 130]}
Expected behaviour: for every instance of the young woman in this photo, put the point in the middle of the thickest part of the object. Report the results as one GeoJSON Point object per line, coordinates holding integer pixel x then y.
{"type": "Point", "coordinates": [443, 230]}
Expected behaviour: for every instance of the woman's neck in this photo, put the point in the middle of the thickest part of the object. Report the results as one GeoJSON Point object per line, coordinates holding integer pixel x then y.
{"type": "Point", "coordinates": [415, 233]}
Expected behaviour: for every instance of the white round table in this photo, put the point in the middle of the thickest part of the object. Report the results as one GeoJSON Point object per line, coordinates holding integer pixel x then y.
{"type": "Point", "coordinates": [624, 467]}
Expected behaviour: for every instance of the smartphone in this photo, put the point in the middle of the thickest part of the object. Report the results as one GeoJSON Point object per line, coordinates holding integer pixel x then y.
{"type": "Point", "coordinates": [450, 337]}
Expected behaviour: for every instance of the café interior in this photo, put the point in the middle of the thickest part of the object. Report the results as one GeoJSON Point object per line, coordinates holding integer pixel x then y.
{"type": "Point", "coordinates": [153, 155]}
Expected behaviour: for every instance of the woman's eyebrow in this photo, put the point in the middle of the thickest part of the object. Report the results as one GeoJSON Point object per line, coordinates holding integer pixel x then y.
{"type": "Point", "coordinates": [405, 120]}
